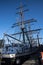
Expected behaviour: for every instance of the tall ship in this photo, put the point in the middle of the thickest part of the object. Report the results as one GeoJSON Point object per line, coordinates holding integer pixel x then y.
{"type": "Point", "coordinates": [24, 43]}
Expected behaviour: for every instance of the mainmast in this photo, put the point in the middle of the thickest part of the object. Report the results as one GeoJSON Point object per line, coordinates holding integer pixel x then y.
{"type": "Point", "coordinates": [22, 23]}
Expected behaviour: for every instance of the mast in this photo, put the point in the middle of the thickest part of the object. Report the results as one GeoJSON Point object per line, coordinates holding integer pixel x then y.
{"type": "Point", "coordinates": [22, 23]}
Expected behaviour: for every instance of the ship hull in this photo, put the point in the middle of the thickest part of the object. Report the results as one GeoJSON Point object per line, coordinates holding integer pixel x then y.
{"type": "Point", "coordinates": [14, 61]}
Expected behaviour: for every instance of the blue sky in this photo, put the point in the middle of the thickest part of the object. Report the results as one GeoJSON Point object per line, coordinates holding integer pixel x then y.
{"type": "Point", "coordinates": [8, 13]}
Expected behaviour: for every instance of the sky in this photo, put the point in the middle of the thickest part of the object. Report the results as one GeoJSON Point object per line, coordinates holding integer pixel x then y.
{"type": "Point", "coordinates": [8, 14]}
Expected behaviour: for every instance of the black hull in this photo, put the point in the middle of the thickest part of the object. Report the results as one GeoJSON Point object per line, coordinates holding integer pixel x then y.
{"type": "Point", "coordinates": [13, 61]}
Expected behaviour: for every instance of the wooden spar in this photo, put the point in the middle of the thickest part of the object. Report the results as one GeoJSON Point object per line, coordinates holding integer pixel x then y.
{"type": "Point", "coordinates": [31, 31]}
{"type": "Point", "coordinates": [12, 37]}
{"type": "Point", "coordinates": [25, 22]}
